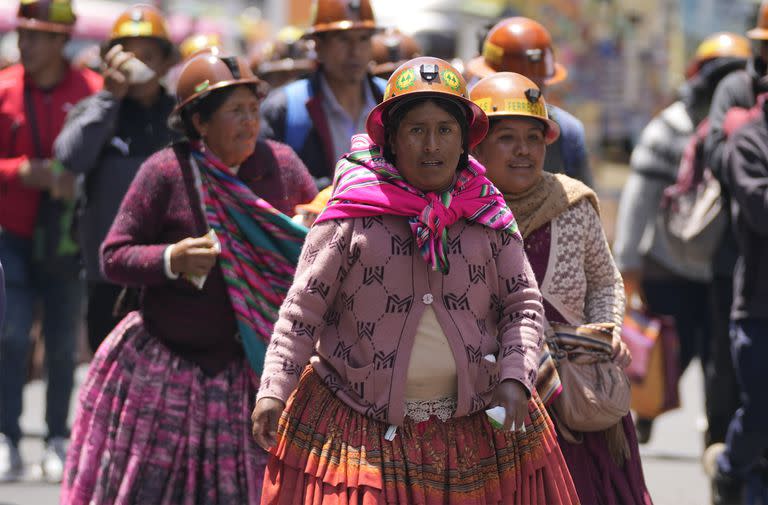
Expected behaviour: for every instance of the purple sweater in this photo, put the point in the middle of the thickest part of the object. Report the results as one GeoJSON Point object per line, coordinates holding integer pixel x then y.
{"type": "Point", "coordinates": [162, 206]}
{"type": "Point", "coordinates": [360, 290]}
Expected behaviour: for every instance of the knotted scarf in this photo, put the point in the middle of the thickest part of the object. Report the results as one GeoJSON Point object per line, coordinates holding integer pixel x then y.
{"type": "Point", "coordinates": [552, 195]}
{"type": "Point", "coordinates": [366, 184]}
{"type": "Point", "coordinates": [260, 247]}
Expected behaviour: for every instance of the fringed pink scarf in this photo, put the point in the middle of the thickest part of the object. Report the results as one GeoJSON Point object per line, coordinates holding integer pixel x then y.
{"type": "Point", "coordinates": [366, 184]}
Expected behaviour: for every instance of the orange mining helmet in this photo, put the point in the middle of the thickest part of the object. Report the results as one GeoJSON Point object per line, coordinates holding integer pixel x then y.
{"type": "Point", "coordinates": [427, 76]}
{"type": "Point", "coordinates": [392, 48]}
{"type": "Point", "coordinates": [719, 45]}
{"type": "Point", "coordinates": [288, 55]}
{"type": "Point", "coordinates": [46, 16]}
{"type": "Point", "coordinates": [519, 45]}
{"type": "Point", "coordinates": [139, 20]}
{"type": "Point", "coordinates": [337, 15]}
{"type": "Point", "coordinates": [195, 44]}
{"type": "Point", "coordinates": [506, 94]}
{"type": "Point", "coordinates": [209, 72]}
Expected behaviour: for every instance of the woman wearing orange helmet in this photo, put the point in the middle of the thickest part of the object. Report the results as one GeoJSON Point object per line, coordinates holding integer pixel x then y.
{"type": "Point", "coordinates": [163, 414]}
{"type": "Point", "coordinates": [571, 260]}
{"type": "Point", "coordinates": [416, 310]}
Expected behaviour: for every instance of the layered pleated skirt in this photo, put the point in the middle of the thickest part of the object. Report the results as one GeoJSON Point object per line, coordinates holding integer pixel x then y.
{"type": "Point", "coordinates": [152, 428]}
{"type": "Point", "coordinates": [329, 454]}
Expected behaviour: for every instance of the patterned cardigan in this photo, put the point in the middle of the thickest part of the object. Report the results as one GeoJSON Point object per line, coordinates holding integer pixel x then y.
{"type": "Point", "coordinates": [360, 290]}
{"type": "Point", "coordinates": [581, 281]}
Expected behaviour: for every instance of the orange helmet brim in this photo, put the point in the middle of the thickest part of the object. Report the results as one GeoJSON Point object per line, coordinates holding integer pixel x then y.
{"type": "Point", "coordinates": [43, 26]}
{"type": "Point", "coordinates": [478, 121]}
{"type": "Point", "coordinates": [477, 67]}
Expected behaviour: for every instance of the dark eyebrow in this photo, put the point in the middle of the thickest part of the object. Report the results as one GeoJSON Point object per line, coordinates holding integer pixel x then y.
{"type": "Point", "coordinates": [442, 122]}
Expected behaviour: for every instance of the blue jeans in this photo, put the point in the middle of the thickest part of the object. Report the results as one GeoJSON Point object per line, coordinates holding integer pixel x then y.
{"type": "Point", "coordinates": [61, 297]}
{"type": "Point", "coordinates": [747, 437]}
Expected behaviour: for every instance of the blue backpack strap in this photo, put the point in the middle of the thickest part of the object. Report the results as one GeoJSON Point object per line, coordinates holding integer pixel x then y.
{"type": "Point", "coordinates": [380, 84]}
{"type": "Point", "coordinates": [297, 120]}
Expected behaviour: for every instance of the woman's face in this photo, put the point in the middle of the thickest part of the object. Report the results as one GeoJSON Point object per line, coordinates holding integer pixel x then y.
{"type": "Point", "coordinates": [513, 153]}
{"type": "Point", "coordinates": [231, 131]}
{"type": "Point", "coordinates": [427, 146]}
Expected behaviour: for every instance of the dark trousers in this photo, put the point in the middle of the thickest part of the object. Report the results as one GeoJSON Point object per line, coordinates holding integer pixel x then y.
{"type": "Point", "coordinates": [687, 302]}
{"type": "Point", "coordinates": [721, 395]}
{"type": "Point", "coordinates": [701, 314]}
{"type": "Point", "coordinates": [102, 297]}
{"type": "Point", "coordinates": [747, 437]}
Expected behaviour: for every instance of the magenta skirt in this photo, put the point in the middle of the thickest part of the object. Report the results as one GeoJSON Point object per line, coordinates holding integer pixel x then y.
{"type": "Point", "coordinates": [598, 479]}
{"type": "Point", "coordinates": [151, 427]}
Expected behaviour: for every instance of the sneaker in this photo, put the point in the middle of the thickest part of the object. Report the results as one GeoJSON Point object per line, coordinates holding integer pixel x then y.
{"type": "Point", "coordinates": [10, 460]}
{"type": "Point", "coordinates": [54, 459]}
{"type": "Point", "coordinates": [709, 459]}
{"type": "Point", "coordinates": [726, 489]}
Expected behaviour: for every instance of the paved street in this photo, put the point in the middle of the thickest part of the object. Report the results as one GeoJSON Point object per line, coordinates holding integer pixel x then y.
{"type": "Point", "coordinates": [671, 460]}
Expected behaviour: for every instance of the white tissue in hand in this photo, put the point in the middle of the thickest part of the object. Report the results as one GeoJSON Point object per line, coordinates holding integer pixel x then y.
{"type": "Point", "coordinates": [137, 71]}
{"type": "Point", "coordinates": [199, 280]}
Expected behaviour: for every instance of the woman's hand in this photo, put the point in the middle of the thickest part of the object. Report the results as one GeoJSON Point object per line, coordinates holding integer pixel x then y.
{"type": "Point", "coordinates": [621, 355]}
{"type": "Point", "coordinates": [265, 416]}
{"type": "Point", "coordinates": [193, 256]}
{"type": "Point", "coordinates": [511, 395]}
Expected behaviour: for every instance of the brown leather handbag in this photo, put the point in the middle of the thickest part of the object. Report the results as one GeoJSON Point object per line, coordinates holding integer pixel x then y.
{"type": "Point", "coordinates": [596, 392]}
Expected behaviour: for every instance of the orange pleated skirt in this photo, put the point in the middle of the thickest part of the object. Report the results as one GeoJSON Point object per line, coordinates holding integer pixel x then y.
{"type": "Point", "coordinates": [328, 454]}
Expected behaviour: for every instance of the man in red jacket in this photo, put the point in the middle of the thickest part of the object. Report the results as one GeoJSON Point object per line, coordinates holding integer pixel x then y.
{"type": "Point", "coordinates": [40, 259]}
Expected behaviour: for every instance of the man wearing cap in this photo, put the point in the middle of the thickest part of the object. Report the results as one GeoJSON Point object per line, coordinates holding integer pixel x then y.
{"type": "Point", "coordinates": [524, 46]}
{"type": "Point", "coordinates": [318, 115]}
{"type": "Point", "coordinates": [288, 58]}
{"type": "Point", "coordinates": [110, 134]}
{"type": "Point", "coordinates": [392, 48]}
{"type": "Point", "coordinates": [40, 259]}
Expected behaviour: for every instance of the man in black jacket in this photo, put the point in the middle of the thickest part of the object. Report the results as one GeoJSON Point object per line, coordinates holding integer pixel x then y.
{"type": "Point", "coordinates": [109, 135]}
{"type": "Point", "coordinates": [744, 172]}
{"type": "Point", "coordinates": [739, 89]}
{"type": "Point", "coordinates": [317, 116]}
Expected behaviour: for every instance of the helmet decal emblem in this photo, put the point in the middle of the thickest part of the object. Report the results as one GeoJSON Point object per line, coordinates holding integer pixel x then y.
{"type": "Point", "coordinates": [486, 104]}
{"type": "Point", "coordinates": [60, 12]}
{"type": "Point", "coordinates": [406, 79]}
{"type": "Point", "coordinates": [492, 53]}
{"type": "Point", "coordinates": [451, 80]}
{"type": "Point", "coordinates": [202, 86]}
